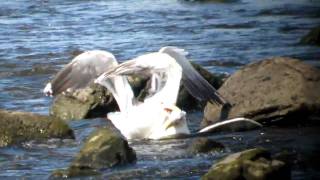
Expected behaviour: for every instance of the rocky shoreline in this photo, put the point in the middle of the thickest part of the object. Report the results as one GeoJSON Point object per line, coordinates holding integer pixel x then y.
{"type": "Point", "coordinates": [276, 91]}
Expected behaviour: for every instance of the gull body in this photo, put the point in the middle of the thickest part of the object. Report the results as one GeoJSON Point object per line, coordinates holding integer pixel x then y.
{"type": "Point", "coordinates": [157, 116]}
{"type": "Point", "coordinates": [151, 119]}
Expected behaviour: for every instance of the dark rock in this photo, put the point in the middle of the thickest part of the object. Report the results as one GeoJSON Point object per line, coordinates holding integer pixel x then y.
{"type": "Point", "coordinates": [204, 145]}
{"type": "Point", "coordinates": [249, 164]}
{"type": "Point", "coordinates": [18, 127]}
{"type": "Point", "coordinates": [312, 38]}
{"type": "Point", "coordinates": [277, 90]}
{"type": "Point", "coordinates": [105, 148]}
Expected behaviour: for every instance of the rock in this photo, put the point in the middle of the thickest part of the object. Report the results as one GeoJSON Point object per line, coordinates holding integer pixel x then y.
{"type": "Point", "coordinates": [265, 169]}
{"type": "Point", "coordinates": [186, 101]}
{"type": "Point", "coordinates": [277, 90]}
{"type": "Point", "coordinates": [204, 145]}
{"type": "Point", "coordinates": [312, 38]}
{"type": "Point", "coordinates": [91, 102]}
{"type": "Point", "coordinates": [105, 148]}
{"type": "Point", "coordinates": [18, 127]}
{"type": "Point", "coordinates": [249, 164]}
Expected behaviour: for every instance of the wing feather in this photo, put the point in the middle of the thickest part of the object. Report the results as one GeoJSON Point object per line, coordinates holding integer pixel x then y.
{"type": "Point", "coordinates": [82, 70]}
{"type": "Point", "coordinates": [193, 81]}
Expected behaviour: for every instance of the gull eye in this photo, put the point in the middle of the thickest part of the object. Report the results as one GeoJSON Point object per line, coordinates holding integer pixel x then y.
{"type": "Point", "coordinates": [168, 110]}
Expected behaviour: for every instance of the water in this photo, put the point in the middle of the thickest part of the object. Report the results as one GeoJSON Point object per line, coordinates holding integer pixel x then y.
{"type": "Point", "coordinates": [38, 37]}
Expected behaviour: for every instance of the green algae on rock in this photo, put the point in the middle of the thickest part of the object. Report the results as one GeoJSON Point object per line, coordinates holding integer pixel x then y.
{"type": "Point", "coordinates": [17, 127]}
{"type": "Point", "coordinates": [249, 164]}
{"type": "Point", "coordinates": [104, 148]}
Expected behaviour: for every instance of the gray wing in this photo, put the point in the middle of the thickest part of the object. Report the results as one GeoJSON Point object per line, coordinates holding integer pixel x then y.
{"type": "Point", "coordinates": [192, 80]}
{"type": "Point", "coordinates": [81, 71]}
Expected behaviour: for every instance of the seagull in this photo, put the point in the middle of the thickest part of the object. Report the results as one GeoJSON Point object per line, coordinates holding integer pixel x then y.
{"type": "Point", "coordinates": [157, 116]}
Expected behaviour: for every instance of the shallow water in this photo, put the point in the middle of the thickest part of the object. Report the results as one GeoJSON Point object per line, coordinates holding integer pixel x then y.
{"type": "Point", "coordinates": [38, 37]}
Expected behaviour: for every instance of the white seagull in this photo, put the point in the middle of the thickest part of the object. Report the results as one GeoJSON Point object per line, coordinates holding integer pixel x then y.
{"type": "Point", "coordinates": [157, 116]}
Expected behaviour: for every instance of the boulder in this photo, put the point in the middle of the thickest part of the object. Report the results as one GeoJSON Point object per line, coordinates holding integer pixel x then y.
{"type": "Point", "coordinates": [312, 38]}
{"type": "Point", "coordinates": [276, 90]}
{"type": "Point", "coordinates": [17, 127]}
{"type": "Point", "coordinates": [104, 148]}
{"type": "Point", "coordinates": [249, 164]}
{"type": "Point", "coordinates": [204, 145]}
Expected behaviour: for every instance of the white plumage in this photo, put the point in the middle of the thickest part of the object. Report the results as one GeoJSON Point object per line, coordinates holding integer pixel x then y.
{"type": "Point", "coordinates": [157, 116]}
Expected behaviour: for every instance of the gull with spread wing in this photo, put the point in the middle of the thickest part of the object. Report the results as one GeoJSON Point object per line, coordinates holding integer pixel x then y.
{"type": "Point", "coordinates": [157, 116]}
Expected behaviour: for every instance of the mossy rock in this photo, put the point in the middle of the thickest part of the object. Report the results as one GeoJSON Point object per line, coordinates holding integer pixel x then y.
{"type": "Point", "coordinates": [17, 127]}
{"type": "Point", "coordinates": [104, 148]}
{"type": "Point", "coordinates": [249, 164]}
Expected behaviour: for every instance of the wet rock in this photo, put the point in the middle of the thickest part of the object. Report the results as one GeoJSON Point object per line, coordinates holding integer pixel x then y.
{"type": "Point", "coordinates": [273, 91]}
{"type": "Point", "coordinates": [18, 127]}
{"type": "Point", "coordinates": [204, 145]}
{"type": "Point", "coordinates": [105, 148]}
{"type": "Point", "coordinates": [186, 101]}
{"type": "Point", "coordinates": [312, 38]}
{"type": "Point", "coordinates": [249, 164]}
{"type": "Point", "coordinates": [91, 102]}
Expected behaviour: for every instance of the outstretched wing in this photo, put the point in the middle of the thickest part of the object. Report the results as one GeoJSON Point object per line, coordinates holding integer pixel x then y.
{"type": "Point", "coordinates": [192, 80]}
{"type": "Point", "coordinates": [80, 71]}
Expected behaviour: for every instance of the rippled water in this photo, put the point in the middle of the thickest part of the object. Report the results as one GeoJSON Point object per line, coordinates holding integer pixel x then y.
{"type": "Point", "coordinates": [38, 37]}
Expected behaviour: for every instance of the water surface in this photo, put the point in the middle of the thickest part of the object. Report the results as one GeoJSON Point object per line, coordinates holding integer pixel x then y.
{"type": "Point", "coordinates": [38, 37]}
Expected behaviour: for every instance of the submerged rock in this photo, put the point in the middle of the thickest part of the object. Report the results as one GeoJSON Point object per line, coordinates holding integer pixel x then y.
{"type": "Point", "coordinates": [18, 127]}
{"type": "Point", "coordinates": [312, 38]}
{"type": "Point", "coordinates": [204, 145]}
{"type": "Point", "coordinates": [104, 148]}
{"type": "Point", "coordinates": [277, 90]}
{"type": "Point", "coordinates": [249, 164]}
